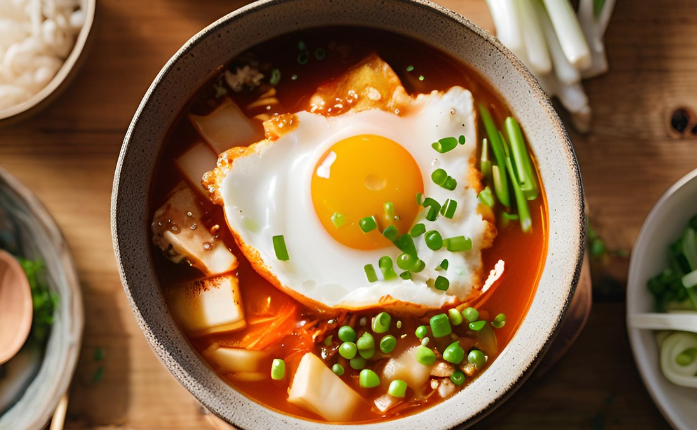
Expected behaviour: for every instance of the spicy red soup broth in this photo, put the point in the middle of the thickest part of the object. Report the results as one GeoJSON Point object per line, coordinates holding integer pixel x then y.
{"type": "Point", "coordinates": [421, 69]}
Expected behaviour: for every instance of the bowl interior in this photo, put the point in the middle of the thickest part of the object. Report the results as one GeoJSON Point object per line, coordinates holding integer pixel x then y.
{"type": "Point", "coordinates": [424, 21]}
{"type": "Point", "coordinates": [662, 227]}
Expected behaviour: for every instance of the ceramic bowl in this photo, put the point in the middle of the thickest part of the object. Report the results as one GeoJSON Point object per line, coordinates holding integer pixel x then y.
{"type": "Point", "coordinates": [424, 21]}
{"type": "Point", "coordinates": [64, 75]}
{"type": "Point", "coordinates": [30, 232]}
{"type": "Point", "coordinates": [664, 224]}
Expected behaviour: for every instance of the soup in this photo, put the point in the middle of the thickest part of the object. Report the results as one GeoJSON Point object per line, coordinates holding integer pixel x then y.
{"type": "Point", "coordinates": [369, 241]}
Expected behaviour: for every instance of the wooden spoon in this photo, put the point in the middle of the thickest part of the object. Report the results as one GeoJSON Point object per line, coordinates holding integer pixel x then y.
{"type": "Point", "coordinates": [16, 307]}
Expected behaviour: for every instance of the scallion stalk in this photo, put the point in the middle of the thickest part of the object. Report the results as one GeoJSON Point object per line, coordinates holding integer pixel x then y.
{"type": "Point", "coordinates": [568, 29]}
{"type": "Point", "coordinates": [500, 183]}
{"type": "Point", "coordinates": [484, 161]}
{"type": "Point", "coordinates": [521, 157]}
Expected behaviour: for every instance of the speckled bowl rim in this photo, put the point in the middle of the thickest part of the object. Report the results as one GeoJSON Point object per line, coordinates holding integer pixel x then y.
{"type": "Point", "coordinates": [549, 308]}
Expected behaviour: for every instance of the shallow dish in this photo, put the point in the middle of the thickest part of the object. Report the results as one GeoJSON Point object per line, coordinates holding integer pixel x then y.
{"type": "Point", "coordinates": [421, 20]}
{"type": "Point", "coordinates": [38, 236]}
{"type": "Point", "coordinates": [662, 226]}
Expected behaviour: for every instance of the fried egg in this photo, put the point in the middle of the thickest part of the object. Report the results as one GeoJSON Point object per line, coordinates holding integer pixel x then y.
{"type": "Point", "coordinates": [323, 175]}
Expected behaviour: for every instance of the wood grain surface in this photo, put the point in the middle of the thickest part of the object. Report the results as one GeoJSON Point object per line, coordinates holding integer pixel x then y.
{"type": "Point", "coordinates": [67, 155]}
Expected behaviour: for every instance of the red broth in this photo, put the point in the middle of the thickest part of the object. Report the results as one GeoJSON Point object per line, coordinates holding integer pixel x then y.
{"type": "Point", "coordinates": [421, 69]}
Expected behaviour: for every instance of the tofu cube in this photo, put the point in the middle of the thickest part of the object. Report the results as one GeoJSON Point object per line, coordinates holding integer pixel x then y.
{"type": "Point", "coordinates": [227, 126]}
{"type": "Point", "coordinates": [196, 161]}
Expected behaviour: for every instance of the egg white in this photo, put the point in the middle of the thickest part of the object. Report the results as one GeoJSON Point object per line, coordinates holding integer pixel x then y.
{"type": "Point", "coordinates": [267, 193]}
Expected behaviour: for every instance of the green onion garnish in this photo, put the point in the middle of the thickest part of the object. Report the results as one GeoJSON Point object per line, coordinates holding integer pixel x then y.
{"type": "Point", "coordinates": [521, 201]}
{"type": "Point", "coordinates": [405, 275]}
{"type": "Point", "coordinates": [439, 176]}
{"type": "Point", "coordinates": [440, 325]}
{"type": "Point", "coordinates": [500, 184]}
{"type": "Point", "coordinates": [476, 357]}
{"type": "Point", "coordinates": [421, 78]}
{"type": "Point", "coordinates": [368, 224]}
{"type": "Point", "coordinates": [421, 331]}
{"type": "Point", "coordinates": [338, 219]}
{"type": "Point", "coordinates": [418, 266]}
{"type": "Point", "coordinates": [454, 353]}
{"type": "Point", "coordinates": [328, 340]}
{"type": "Point", "coordinates": [410, 68]}
{"type": "Point", "coordinates": [348, 350]}
{"type": "Point", "coordinates": [387, 268]}
{"type": "Point", "coordinates": [458, 377]}
{"type": "Point", "coordinates": [370, 273]}
{"type": "Point", "coordinates": [425, 355]}
{"type": "Point", "coordinates": [470, 314]}
{"type": "Point", "coordinates": [347, 334]}
{"type": "Point", "coordinates": [486, 197]}
{"type": "Point", "coordinates": [365, 342]}
{"type": "Point", "coordinates": [368, 379]}
{"type": "Point", "coordinates": [366, 353]}
{"type": "Point", "coordinates": [405, 243]}
{"type": "Point", "coordinates": [389, 210]}
{"type": "Point", "coordinates": [455, 316]}
{"type": "Point", "coordinates": [458, 243]}
{"type": "Point", "coordinates": [461, 140]}
{"type": "Point", "coordinates": [406, 261]}
{"type": "Point", "coordinates": [433, 240]}
{"type": "Point", "coordinates": [357, 363]}
{"type": "Point", "coordinates": [387, 344]}
{"type": "Point", "coordinates": [381, 323]}
{"type": "Point", "coordinates": [433, 208]}
{"type": "Point", "coordinates": [391, 233]}
{"type": "Point", "coordinates": [419, 199]}
{"type": "Point", "coordinates": [477, 325]}
{"type": "Point", "coordinates": [484, 161]}
{"type": "Point", "coordinates": [278, 369]}
{"type": "Point", "coordinates": [449, 208]}
{"type": "Point", "coordinates": [418, 230]}
{"type": "Point", "coordinates": [294, 77]}
{"type": "Point", "coordinates": [445, 144]}
{"type": "Point", "coordinates": [320, 54]}
{"type": "Point", "coordinates": [279, 247]}
{"type": "Point", "coordinates": [499, 321]}
{"type": "Point", "coordinates": [275, 77]}
{"type": "Point", "coordinates": [301, 45]}
{"type": "Point", "coordinates": [507, 218]}
{"type": "Point", "coordinates": [443, 265]}
{"type": "Point", "coordinates": [338, 369]}
{"type": "Point", "coordinates": [304, 57]}
{"type": "Point", "coordinates": [521, 157]}
{"type": "Point", "coordinates": [398, 388]}
{"type": "Point", "coordinates": [450, 183]}
{"type": "Point", "coordinates": [442, 283]}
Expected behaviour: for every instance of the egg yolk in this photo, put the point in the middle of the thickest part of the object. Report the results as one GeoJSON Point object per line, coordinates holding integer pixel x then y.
{"type": "Point", "coordinates": [366, 176]}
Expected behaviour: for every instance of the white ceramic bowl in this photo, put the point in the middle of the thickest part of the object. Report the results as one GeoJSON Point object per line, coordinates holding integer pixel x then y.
{"type": "Point", "coordinates": [63, 76]}
{"type": "Point", "coordinates": [37, 236]}
{"type": "Point", "coordinates": [664, 224]}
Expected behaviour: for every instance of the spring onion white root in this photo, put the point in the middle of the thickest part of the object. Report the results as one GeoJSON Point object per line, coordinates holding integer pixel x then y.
{"type": "Point", "coordinates": [594, 27]}
{"type": "Point", "coordinates": [568, 29]}
{"type": "Point", "coordinates": [678, 359]}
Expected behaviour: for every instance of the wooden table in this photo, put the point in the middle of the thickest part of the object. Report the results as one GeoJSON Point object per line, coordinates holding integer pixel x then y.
{"type": "Point", "coordinates": [67, 155]}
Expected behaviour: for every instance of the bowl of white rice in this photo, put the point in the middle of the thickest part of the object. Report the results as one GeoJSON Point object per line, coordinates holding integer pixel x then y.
{"type": "Point", "coordinates": [41, 42]}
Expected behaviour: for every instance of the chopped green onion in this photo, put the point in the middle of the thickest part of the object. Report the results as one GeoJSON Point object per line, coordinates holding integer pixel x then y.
{"type": "Point", "coordinates": [279, 247]}
{"type": "Point", "coordinates": [458, 377]}
{"type": "Point", "coordinates": [425, 355]}
{"type": "Point", "coordinates": [486, 197]}
{"type": "Point", "coordinates": [500, 180]}
{"type": "Point", "coordinates": [398, 388]}
{"type": "Point", "coordinates": [421, 78]}
{"type": "Point", "coordinates": [347, 334]}
{"type": "Point", "coordinates": [449, 208]}
{"type": "Point", "coordinates": [418, 266]}
{"type": "Point", "coordinates": [304, 57]}
{"type": "Point", "coordinates": [368, 224]}
{"type": "Point", "coordinates": [499, 321]}
{"type": "Point", "coordinates": [358, 363]}
{"type": "Point", "coordinates": [405, 243]}
{"type": "Point", "coordinates": [689, 248]}
{"type": "Point", "coordinates": [434, 240]}
{"type": "Point", "coordinates": [521, 156]}
{"type": "Point", "coordinates": [387, 268]}
{"type": "Point", "coordinates": [470, 314]}
{"type": "Point", "coordinates": [338, 369]}
{"type": "Point", "coordinates": [388, 343]}
{"type": "Point", "coordinates": [455, 316]}
{"type": "Point", "coordinates": [418, 230]}
{"type": "Point", "coordinates": [368, 379]}
{"type": "Point", "coordinates": [320, 54]}
{"type": "Point", "coordinates": [338, 219]}
{"type": "Point", "coordinates": [328, 340]}
{"type": "Point", "coordinates": [410, 68]}
{"type": "Point", "coordinates": [507, 218]}
{"type": "Point", "coordinates": [301, 45]}
{"type": "Point", "coordinates": [686, 357]}
{"type": "Point", "coordinates": [476, 357]}
{"type": "Point", "coordinates": [275, 77]}
{"type": "Point", "coordinates": [442, 283]}
{"type": "Point", "coordinates": [391, 233]}
{"type": "Point", "coordinates": [458, 243]}
{"type": "Point", "coordinates": [445, 144]}
{"type": "Point", "coordinates": [366, 353]}
{"type": "Point", "coordinates": [450, 183]}
{"type": "Point", "coordinates": [348, 350]}
{"type": "Point", "coordinates": [421, 331]}
{"type": "Point", "coordinates": [405, 275]}
{"type": "Point", "coordinates": [462, 139]}
{"type": "Point", "coordinates": [381, 322]}
{"type": "Point", "coordinates": [439, 176]}
{"type": "Point", "coordinates": [389, 210]}
{"type": "Point", "coordinates": [484, 161]}
{"type": "Point", "coordinates": [443, 265]}
{"type": "Point", "coordinates": [365, 342]}
{"type": "Point", "coordinates": [477, 325]}
{"type": "Point", "coordinates": [370, 273]}
{"type": "Point", "coordinates": [278, 369]}
{"type": "Point", "coordinates": [440, 325]}
{"type": "Point", "coordinates": [521, 201]}
{"type": "Point", "coordinates": [406, 261]}
{"type": "Point", "coordinates": [454, 353]}
{"type": "Point", "coordinates": [433, 209]}
{"type": "Point", "coordinates": [419, 199]}
{"type": "Point", "coordinates": [294, 77]}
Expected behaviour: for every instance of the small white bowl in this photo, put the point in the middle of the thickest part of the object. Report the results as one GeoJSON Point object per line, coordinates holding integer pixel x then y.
{"type": "Point", "coordinates": [662, 226]}
{"type": "Point", "coordinates": [63, 76]}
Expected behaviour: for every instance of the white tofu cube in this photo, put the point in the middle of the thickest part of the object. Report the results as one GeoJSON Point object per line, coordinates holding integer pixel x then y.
{"type": "Point", "coordinates": [227, 126]}
{"type": "Point", "coordinates": [406, 368]}
{"type": "Point", "coordinates": [317, 389]}
{"type": "Point", "coordinates": [238, 360]}
{"type": "Point", "coordinates": [207, 306]}
{"type": "Point", "coordinates": [196, 161]}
